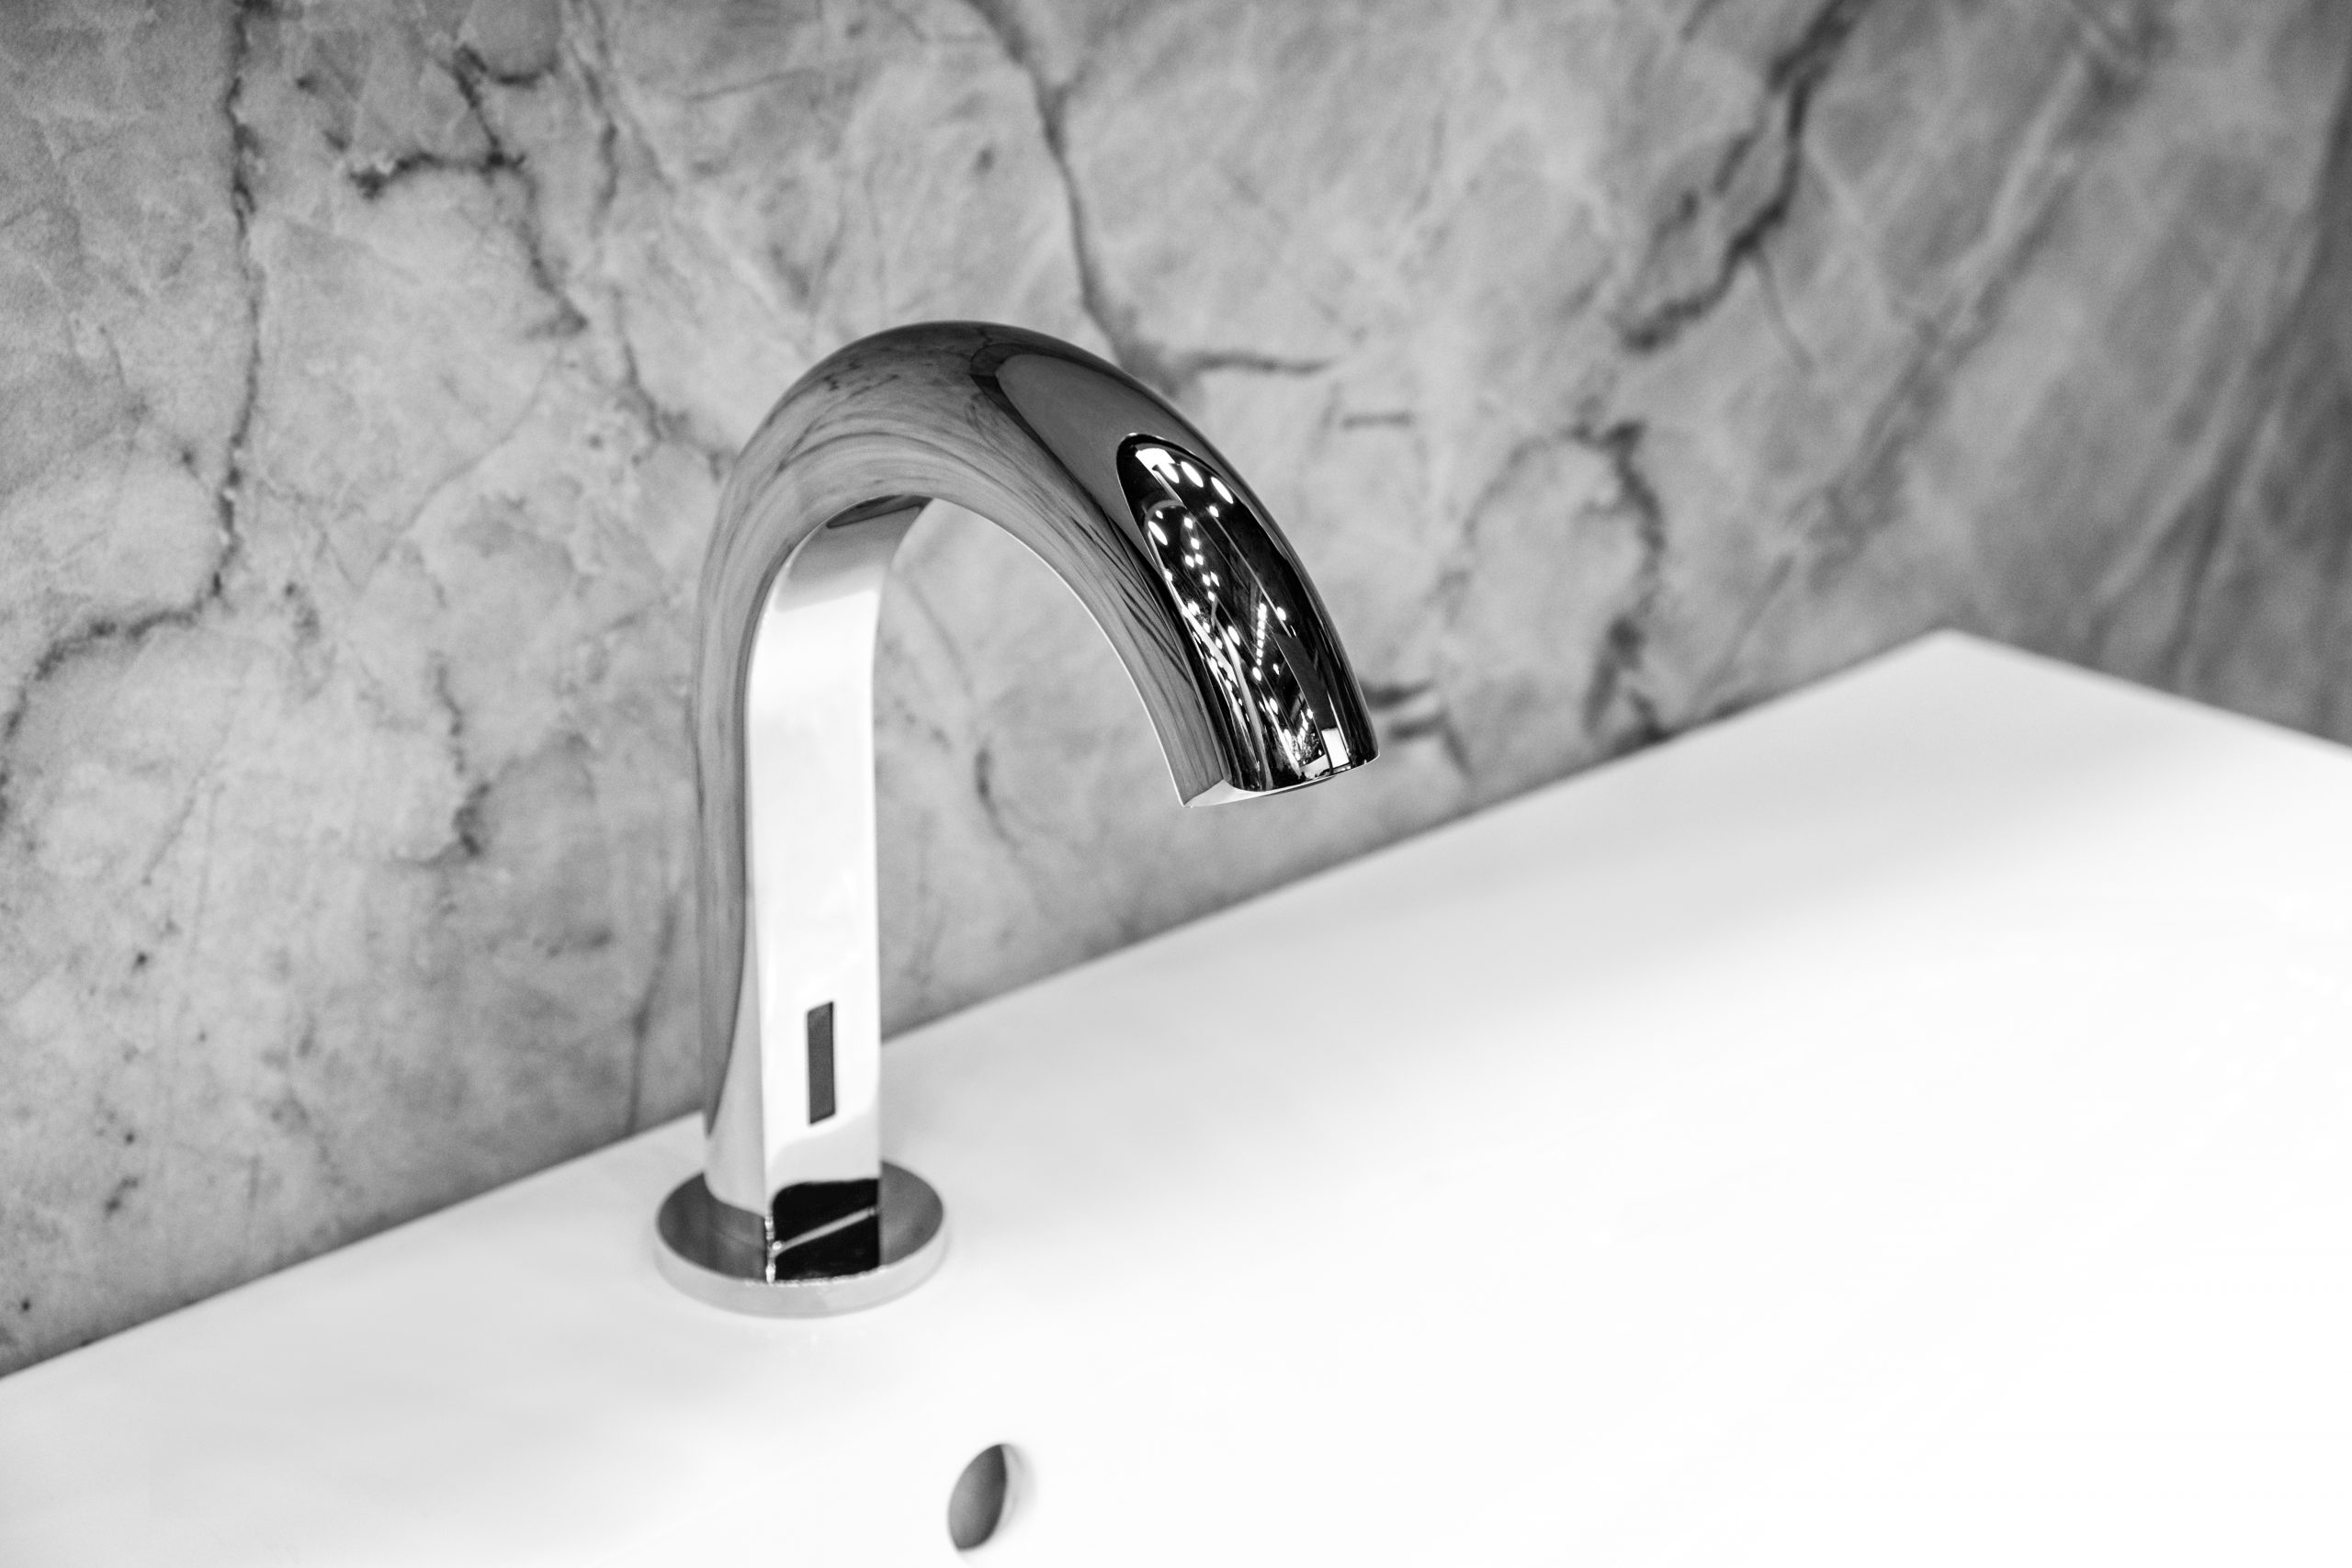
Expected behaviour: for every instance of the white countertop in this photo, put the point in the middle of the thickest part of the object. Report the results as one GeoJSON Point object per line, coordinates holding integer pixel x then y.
{"type": "Point", "coordinates": [1911, 1123]}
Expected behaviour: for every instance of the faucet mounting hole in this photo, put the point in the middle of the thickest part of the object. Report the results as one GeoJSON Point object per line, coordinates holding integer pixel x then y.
{"type": "Point", "coordinates": [982, 1500]}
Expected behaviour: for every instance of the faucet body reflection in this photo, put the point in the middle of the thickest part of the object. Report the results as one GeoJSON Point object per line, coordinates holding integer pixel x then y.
{"type": "Point", "coordinates": [1244, 682]}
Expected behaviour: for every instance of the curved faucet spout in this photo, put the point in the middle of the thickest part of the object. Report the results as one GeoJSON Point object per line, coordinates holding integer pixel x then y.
{"type": "Point", "coordinates": [1177, 561]}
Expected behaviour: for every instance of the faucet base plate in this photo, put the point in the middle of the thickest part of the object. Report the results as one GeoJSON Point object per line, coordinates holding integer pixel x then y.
{"type": "Point", "coordinates": [692, 1248]}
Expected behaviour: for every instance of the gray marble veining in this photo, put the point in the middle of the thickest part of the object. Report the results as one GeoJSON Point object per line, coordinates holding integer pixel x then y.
{"type": "Point", "coordinates": [372, 370]}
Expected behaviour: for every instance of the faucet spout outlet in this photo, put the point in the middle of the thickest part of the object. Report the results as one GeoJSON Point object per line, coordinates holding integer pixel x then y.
{"type": "Point", "coordinates": [1231, 650]}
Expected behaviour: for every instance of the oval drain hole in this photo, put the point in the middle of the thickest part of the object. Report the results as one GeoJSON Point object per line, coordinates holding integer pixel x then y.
{"type": "Point", "coordinates": [981, 1502]}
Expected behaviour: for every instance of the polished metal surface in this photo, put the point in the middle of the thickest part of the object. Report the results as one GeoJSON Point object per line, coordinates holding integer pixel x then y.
{"type": "Point", "coordinates": [708, 1251]}
{"type": "Point", "coordinates": [1229, 647]}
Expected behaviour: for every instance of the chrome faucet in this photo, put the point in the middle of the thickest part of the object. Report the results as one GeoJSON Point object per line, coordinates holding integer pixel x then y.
{"type": "Point", "coordinates": [794, 1213]}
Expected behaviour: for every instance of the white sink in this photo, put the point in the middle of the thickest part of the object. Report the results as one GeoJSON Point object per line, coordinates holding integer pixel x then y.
{"type": "Point", "coordinates": [1909, 1123]}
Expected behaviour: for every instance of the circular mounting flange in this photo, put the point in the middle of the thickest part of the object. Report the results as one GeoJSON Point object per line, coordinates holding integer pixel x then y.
{"type": "Point", "coordinates": [696, 1250]}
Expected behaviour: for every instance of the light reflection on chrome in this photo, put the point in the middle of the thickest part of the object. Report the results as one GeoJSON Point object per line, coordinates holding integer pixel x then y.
{"type": "Point", "coordinates": [1242, 603]}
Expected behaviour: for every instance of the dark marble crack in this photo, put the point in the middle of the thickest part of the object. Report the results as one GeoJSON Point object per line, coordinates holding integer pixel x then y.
{"type": "Point", "coordinates": [120, 1195]}
{"type": "Point", "coordinates": [469, 72]}
{"type": "Point", "coordinates": [1624, 646]}
{"type": "Point", "coordinates": [608, 136]}
{"type": "Point", "coordinates": [455, 739]}
{"type": "Point", "coordinates": [486, 71]}
{"type": "Point", "coordinates": [469, 840]}
{"type": "Point", "coordinates": [1790, 82]}
{"type": "Point", "coordinates": [244, 157]}
{"type": "Point", "coordinates": [498, 161]}
{"type": "Point", "coordinates": [1172, 372]}
{"type": "Point", "coordinates": [984, 790]}
{"type": "Point", "coordinates": [664, 422]}
{"type": "Point", "coordinates": [86, 639]}
{"type": "Point", "coordinates": [371, 180]}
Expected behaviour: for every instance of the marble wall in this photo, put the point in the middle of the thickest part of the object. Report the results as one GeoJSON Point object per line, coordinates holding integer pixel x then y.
{"type": "Point", "coordinates": [370, 371]}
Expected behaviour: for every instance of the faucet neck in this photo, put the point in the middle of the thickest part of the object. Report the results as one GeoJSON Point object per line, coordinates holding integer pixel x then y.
{"type": "Point", "coordinates": [794, 1110]}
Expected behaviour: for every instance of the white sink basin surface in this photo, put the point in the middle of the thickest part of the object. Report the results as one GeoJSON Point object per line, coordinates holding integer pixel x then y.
{"type": "Point", "coordinates": [1910, 1123]}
